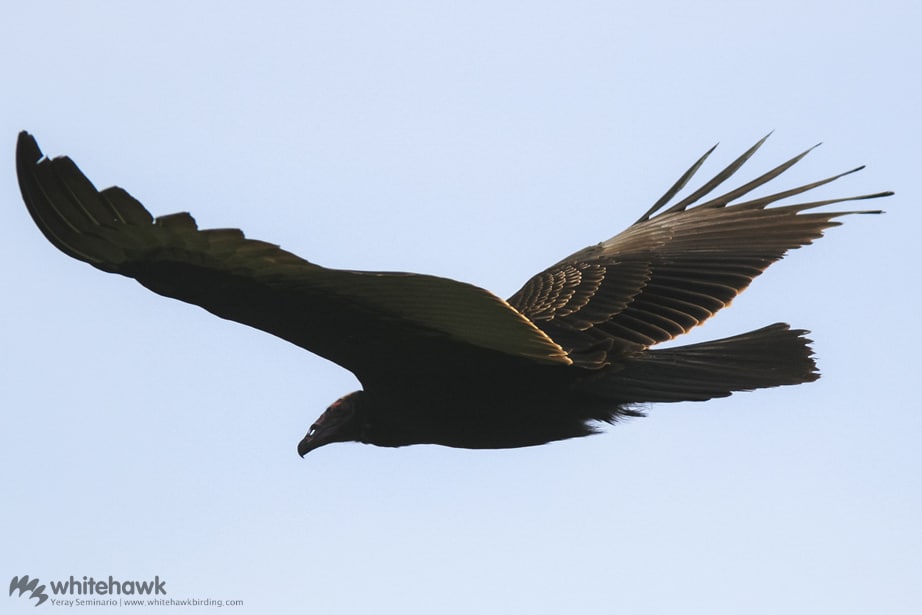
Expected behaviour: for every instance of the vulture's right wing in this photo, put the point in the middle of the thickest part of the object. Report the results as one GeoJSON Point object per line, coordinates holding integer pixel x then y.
{"type": "Point", "coordinates": [370, 323]}
{"type": "Point", "coordinates": [670, 271]}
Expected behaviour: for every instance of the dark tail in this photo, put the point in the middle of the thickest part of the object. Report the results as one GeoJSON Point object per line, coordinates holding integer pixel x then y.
{"type": "Point", "coordinates": [772, 356]}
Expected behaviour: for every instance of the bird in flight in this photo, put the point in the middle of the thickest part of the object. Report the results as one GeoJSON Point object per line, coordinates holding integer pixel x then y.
{"type": "Point", "coordinates": [445, 362]}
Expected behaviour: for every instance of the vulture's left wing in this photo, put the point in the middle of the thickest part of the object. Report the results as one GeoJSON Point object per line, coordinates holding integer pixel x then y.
{"type": "Point", "coordinates": [364, 321]}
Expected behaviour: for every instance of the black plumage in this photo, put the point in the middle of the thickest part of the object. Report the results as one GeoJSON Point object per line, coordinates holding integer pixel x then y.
{"type": "Point", "coordinates": [449, 363]}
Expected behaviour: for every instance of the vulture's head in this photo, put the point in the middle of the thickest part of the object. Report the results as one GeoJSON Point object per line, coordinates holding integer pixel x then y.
{"type": "Point", "coordinates": [339, 423]}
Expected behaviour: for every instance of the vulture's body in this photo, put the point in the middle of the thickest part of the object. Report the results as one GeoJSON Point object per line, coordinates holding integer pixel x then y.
{"type": "Point", "coordinates": [448, 363]}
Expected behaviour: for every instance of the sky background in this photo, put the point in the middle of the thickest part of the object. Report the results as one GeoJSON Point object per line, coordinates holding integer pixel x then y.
{"type": "Point", "coordinates": [481, 141]}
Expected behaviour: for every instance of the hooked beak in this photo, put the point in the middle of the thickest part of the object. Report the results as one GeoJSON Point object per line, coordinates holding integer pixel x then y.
{"type": "Point", "coordinates": [320, 434]}
{"type": "Point", "coordinates": [337, 424]}
{"type": "Point", "coordinates": [309, 442]}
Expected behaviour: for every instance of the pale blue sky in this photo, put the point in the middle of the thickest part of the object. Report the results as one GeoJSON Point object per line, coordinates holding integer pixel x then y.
{"type": "Point", "coordinates": [481, 141]}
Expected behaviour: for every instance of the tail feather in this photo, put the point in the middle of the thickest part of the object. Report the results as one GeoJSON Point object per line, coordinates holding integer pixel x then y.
{"type": "Point", "coordinates": [772, 356]}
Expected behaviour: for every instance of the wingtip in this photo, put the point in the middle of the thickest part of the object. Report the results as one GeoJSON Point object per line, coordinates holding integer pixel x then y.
{"type": "Point", "coordinates": [27, 149]}
{"type": "Point", "coordinates": [876, 195]}
{"type": "Point", "coordinates": [761, 141]}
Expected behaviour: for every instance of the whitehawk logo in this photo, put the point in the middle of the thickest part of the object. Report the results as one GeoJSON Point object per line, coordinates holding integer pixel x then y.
{"type": "Point", "coordinates": [24, 584]}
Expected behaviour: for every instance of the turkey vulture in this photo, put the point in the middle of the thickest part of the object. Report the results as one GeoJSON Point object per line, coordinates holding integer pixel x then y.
{"type": "Point", "coordinates": [444, 362]}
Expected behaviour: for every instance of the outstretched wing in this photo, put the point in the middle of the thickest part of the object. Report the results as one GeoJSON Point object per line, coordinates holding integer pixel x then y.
{"type": "Point", "coordinates": [674, 268]}
{"type": "Point", "coordinates": [364, 321]}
